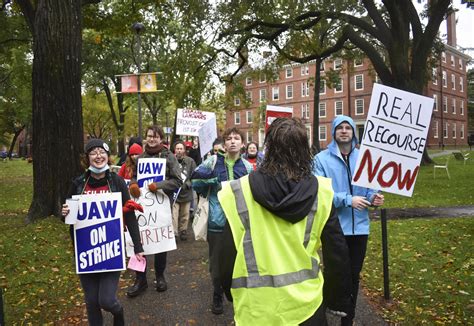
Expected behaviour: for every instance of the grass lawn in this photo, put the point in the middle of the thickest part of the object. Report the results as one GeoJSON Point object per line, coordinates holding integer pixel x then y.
{"type": "Point", "coordinates": [431, 271]}
{"type": "Point", "coordinates": [431, 192]}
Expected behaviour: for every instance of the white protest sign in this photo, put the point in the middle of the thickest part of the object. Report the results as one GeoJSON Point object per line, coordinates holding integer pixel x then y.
{"type": "Point", "coordinates": [155, 223]}
{"type": "Point", "coordinates": [207, 134]}
{"type": "Point", "coordinates": [98, 234]}
{"type": "Point", "coordinates": [150, 170]}
{"type": "Point", "coordinates": [394, 139]}
{"type": "Point", "coordinates": [188, 121]}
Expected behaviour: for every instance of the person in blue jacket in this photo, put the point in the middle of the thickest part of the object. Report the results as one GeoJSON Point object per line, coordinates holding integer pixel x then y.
{"type": "Point", "coordinates": [226, 165]}
{"type": "Point", "coordinates": [338, 162]}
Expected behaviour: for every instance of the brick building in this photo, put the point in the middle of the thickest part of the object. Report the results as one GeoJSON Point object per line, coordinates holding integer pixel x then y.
{"type": "Point", "coordinates": [351, 96]}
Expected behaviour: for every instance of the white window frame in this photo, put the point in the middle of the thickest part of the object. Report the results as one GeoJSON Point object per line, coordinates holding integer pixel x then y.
{"type": "Point", "coordinates": [445, 104]}
{"type": "Point", "coordinates": [460, 64]}
{"type": "Point", "coordinates": [260, 80]}
{"type": "Point", "coordinates": [322, 105]}
{"type": "Point", "coordinates": [462, 107]}
{"type": "Point", "coordinates": [305, 111]}
{"type": "Point", "coordinates": [323, 83]}
{"type": "Point", "coordinates": [323, 135]}
{"type": "Point", "coordinates": [248, 81]}
{"type": "Point", "coordinates": [445, 79]}
{"type": "Point", "coordinates": [249, 116]}
{"type": "Point", "coordinates": [248, 96]}
{"type": "Point", "coordinates": [304, 70]}
{"type": "Point", "coordinates": [435, 104]}
{"type": "Point", "coordinates": [263, 94]}
{"type": "Point", "coordinates": [237, 118]}
{"type": "Point", "coordinates": [435, 129]}
{"type": "Point", "coordinates": [453, 106]}
{"type": "Point", "coordinates": [443, 56]}
{"type": "Point", "coordinates": [321, 67]}
{"type": "Point", "coordinates": [277, 93]}
{"type": "Point", "coordinates": [434, 76]}
{"type": "Point", "coordinates": [249, 136]}
{"type": "Point", "coordinates": [461, 131]}
{"type": "Point", "coordinates": [341, 82]}
{"type": "Point", "coordinates": [335, 108]}
{"type": "Point", "coordinates": [362, 82]}
{"type": "Point", "coordinates": [237, 101]}
{"type": "Point", "coordinates": [445, 130]}
{"type": "Point", "coordinates": [453, 81]}
{"type": "Point", "coordinates": [337, 64]}
{"type": "Point", "coordinates": [461, 84]}
{"type": "Point", "coordinates": [453, 62]}
{"type": "Point", "coordinates": [289, 72]}
{"type": "Point", "coordinates": [358, 64]}
{"type": "Point", "coordinates": [454, 130]}
{"type": "Point", "coordinates": [305, 89]}
{"type": "Point", "coordinates": [359, 100]}
{"type": "Point", "coordinates": [289, 88]}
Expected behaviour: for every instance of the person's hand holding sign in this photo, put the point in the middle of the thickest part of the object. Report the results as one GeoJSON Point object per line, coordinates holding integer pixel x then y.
{"type": "Point", "coordinates": [378, 200]}
{"type": "Point", "coordinates": [360, 203]}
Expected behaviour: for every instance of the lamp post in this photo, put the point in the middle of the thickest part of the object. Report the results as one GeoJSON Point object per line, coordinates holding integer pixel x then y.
{"type": "Point", "coordinates": [138, 28]}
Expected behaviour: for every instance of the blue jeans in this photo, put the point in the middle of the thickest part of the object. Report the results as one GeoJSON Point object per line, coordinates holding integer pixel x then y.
{"type": "Point", "coordinates": [100, 292]}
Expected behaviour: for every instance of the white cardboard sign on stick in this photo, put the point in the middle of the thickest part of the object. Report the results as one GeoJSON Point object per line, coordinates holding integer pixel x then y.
{"type": "Point", "coordinates": [189, 121]}
{"type": "Point", "coordinates": [207, 134]}
{"type": "Point", "coordinates": [394, 139]}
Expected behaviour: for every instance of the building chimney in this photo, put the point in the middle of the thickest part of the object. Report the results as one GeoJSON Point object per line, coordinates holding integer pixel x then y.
{"type": "Point", "coordinates": [451, 29]}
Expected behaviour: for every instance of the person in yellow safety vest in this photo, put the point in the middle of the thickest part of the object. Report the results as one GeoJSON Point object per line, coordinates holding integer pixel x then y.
{"type": "Point", "coordinates": [278, 217]}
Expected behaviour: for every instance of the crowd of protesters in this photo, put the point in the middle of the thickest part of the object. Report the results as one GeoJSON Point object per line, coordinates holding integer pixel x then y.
{"type": "Point", "coordinates": [270, 212]}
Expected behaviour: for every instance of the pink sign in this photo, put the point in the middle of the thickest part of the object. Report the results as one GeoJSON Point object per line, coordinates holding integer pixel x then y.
{"type": "Point", "coordinates": [129, 84]}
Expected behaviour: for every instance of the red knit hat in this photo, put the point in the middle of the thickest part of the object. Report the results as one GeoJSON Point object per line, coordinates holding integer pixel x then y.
{"type": "Point", "coordinates": [135, 149]}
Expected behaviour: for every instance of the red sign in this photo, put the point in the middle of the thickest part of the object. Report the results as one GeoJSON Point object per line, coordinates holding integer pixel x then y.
{"type": "Point", "coordinates": [274, 112]}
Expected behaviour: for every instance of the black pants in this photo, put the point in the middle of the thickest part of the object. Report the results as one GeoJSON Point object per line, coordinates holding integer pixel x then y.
{"type": "Point", "coordinates": [100, 292]}
{"type": "Point", "coordinates": [357, 245]}
{"type": "Point", "coordinates": [160, 265]}
{"type": "Point", "coordinates": [318, 319]}
{"type": "Point", "coordinates": [214, 240]}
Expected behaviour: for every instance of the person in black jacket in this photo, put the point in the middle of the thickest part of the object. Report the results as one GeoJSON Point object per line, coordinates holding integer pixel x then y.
{"type": "Point", "coordinates": [100, 289]}
{"type": "Point", "coordinates": [285, 186]}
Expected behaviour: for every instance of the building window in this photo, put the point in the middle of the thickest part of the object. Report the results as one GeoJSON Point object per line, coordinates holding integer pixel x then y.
{"type": "Point", "coordinates": [322, 87]}
{"type": "Point", "coordinates": [237, 118]}
{"type": "Point", "coordinates": [289, 72]}
{"type": "Point", "coordinates": [445, 105]}
{"type": "Point", "coordinates": [461, 84]}
{"type": "Point", "coordinates": [435, 129]}
{"type": "Point", "coordinates": [275, 93]}
{"type": "Point", "coordinates": [377, 79]}
{"type": "Point", "coordinates": [338, 108]}
{"type": "Point", "coordinates": [461, 132]}
{"type": "Point", "coordinates": [248, 81]}
{"type": "Point", "coordinates": [460, 64]}
{"type": "Point", "coordinates": [434, 76]}
{"type": "Point", "coordinates": [359, 104]}
{"type": "Point", "coordinates": [453, 106]}
{"type": "Point", "coordinates": [262, 78]}
{"type": "Point", "coordinates": [435, 104]}
{"type": "Point", "coordinates": [322, 109]}
{"type": "Point", "coordinates": [445, 130]}
{"type": "Point", "coordinates": [304, 70]}
{"type": "Point", "coordinates": [462, 107]}
{"type": "Point", "coordinates": [358, 62]}
{"type": "Point", "coordinates": [443, 56]}
{"type": "Point", "coordinates": [453, 82]}
{"type": "Point", "coordinates": [263, 95]}
{"type": "Point", "coordinates": [305, 111]}
{"type": "Point", "coordinates": [289, 91]}
{"type": "Point", "coordinates": [248, 96]}
{"type": "Point", "coordinates": [445, 82]}
{"type": "Point", "coordinates": [359, 82]}
{"type": "Point", "coordinates": [249, 116]}
{"type": "Point", "coordinates": [322, 133]}
{"type": "Point", "coordinates": [309, 134]}
{"type": "Point", "coordinates": [305, 89]}
{"type": "Point", "coordinates": [249, 136]}
{"type": "Point", "coordinates": [337, 64]}
{"type": "Point", "coordinates": [236, 101]}
{"type": "Point", "coordinates": [452, 60]}
{"type": "Point", "coordinates": [338, 86]}
{"type": "Point", "coordinates": [321, 66]}
{"type": "Point", "coordinates": [454, 131]}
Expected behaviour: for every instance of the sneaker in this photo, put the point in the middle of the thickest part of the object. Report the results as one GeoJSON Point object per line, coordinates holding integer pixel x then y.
{"type": "Point", "coordinates": [138, 287]}
{"type": "Point", "coordinates": [217, 304]}
{"type": "Point", "coordinates": [183, 236]}
{"type": "Point", "coordinates": [161, 285]}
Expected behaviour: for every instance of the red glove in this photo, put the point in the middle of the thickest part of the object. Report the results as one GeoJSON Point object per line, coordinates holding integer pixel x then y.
{"type": "Point", "coordinates": [131, 206]}
{"type": "Point", "coordinates": [153, 187]}
{"type": "Point", "coordinates": [134, 190]}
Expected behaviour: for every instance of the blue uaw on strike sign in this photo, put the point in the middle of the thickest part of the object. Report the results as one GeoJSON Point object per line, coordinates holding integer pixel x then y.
{"type": "Point", "coordinates": [98, 240]}
{"type": "Point", "coordinates": [150, 170]}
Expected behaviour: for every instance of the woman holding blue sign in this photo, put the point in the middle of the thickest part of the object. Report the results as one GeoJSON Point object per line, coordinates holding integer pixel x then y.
{"type": "Point", "coordinates": [100, 289]}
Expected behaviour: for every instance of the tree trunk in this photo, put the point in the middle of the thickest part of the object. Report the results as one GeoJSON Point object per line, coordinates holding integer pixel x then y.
{"type": "Point", "coordinates": [12, 144]}
{"type": "Point", "coordinates": [57, 112]}
{"type": "Point", "coordinates": [316, 148]}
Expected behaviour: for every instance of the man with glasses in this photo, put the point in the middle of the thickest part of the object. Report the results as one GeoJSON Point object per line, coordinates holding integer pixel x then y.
{"type": "Point", "coordinates": [154, 148]}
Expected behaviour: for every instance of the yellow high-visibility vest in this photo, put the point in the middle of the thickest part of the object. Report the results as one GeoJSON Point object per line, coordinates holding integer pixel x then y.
{"type": "Point", "coordinates": [276, 279]}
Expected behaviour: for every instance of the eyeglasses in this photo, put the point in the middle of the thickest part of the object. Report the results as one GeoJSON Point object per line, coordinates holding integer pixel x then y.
{"type": "Point", "coordinates": [99, 153]}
